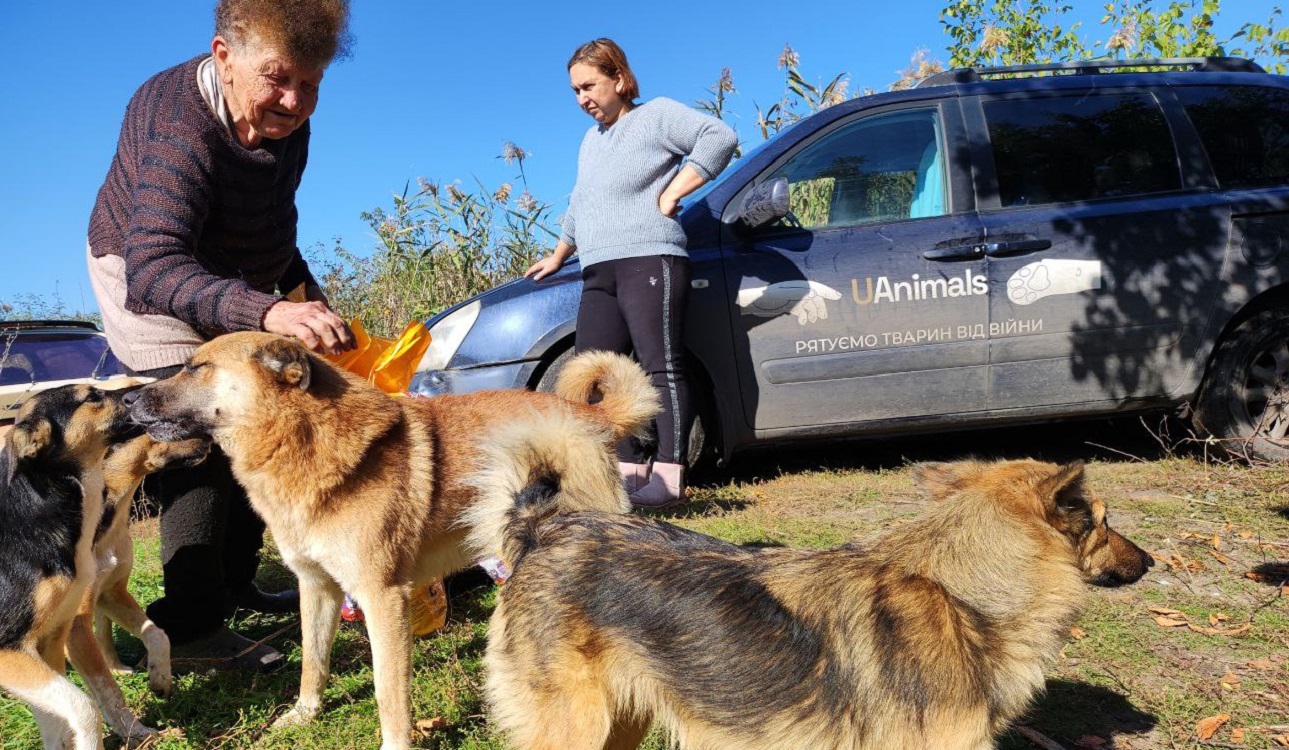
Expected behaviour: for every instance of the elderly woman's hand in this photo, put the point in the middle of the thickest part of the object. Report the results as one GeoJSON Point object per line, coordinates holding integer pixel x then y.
{"type": "Point", "coordinates": [313, 323]}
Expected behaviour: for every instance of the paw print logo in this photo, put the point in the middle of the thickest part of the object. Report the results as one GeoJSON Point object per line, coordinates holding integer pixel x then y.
{"type": "Point", "coordinates": [1046, 278]}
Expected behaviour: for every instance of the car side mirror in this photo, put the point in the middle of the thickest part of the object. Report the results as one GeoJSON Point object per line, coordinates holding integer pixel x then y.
{"type": "Point", "coordinates": [764, 203]}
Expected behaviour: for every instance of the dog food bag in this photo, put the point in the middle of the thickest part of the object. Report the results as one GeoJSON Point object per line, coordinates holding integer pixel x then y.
{"type": "Point", "coordinates": [495, 567]}
{"type": "Point", "coordinates": [428, 608]}
{"type": "Point", "coordinates": [350, 611]}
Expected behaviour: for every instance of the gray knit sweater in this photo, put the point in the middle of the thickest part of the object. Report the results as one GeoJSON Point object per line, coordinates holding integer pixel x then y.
{"type": "Point", "coordinates": [622, 170]}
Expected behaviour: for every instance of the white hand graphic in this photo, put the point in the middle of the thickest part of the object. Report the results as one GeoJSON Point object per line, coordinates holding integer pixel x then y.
{"type": "Point", "coordinates": [802, 298]}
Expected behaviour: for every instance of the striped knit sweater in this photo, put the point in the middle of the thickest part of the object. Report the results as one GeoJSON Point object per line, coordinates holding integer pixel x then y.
{"type": "Point", "coordinates": [623, 169]}
{"type": "Point", "coordinates": [206, 226]}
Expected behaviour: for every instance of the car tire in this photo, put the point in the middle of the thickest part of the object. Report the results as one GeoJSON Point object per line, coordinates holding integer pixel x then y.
{"type": "Point", "coordinates": [1244, 402]}
{"type": "Point", "coordinates": [700, 456]}
{"type": "Point", "coordinates": [546, 383]}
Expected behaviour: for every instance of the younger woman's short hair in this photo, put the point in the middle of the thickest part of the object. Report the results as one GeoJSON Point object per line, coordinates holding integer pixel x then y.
{"type": "Point", "coordinates": [606, 56]}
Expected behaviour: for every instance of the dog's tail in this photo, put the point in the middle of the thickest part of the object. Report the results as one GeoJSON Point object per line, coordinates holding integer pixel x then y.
{"type": "Point", "coordinates": [616, 384]}
{"type": "Point", "coordinates": [536, 466]}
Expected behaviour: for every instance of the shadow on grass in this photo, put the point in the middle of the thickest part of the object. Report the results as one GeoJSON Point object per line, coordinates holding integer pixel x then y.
{"type": "Point", "coordinates": [1148, 438]}
{"type": "Point", "coordinates": [1071, 710]}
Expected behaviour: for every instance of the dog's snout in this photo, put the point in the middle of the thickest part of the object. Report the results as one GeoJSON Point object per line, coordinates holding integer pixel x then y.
{"type": "Point", "coordinates": [130, 397]}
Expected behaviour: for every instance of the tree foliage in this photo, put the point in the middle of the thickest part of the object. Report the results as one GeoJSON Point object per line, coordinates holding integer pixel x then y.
{"type": "Point", "coordinates": [1020, 32]}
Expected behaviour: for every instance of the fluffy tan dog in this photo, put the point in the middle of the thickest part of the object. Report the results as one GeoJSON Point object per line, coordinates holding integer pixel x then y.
{"type": "Point", "coordinates": [366, 493]}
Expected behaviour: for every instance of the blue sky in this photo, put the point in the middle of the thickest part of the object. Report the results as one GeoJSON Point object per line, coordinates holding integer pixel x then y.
{"type": "Point", "coordinates": [434, 89]}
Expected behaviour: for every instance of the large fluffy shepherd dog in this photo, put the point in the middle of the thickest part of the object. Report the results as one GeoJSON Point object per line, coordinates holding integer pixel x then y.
{"type": "Point", "coordinates": [933, 637]}
{"type": "Point", "coordinates": [365, 493]}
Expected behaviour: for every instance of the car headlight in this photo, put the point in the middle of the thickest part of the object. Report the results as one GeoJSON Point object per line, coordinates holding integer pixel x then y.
{"type": "Point", "coordinates": [446, 336]}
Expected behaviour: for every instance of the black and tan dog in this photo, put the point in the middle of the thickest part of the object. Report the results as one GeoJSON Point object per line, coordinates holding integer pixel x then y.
{"type": "Point", "coordinates": [933, 637]}
{"type": "Point", "coordinates": [108, 600]}
{"type": "Point", "coordinates": [51, 501]}
{"type": "Point", "coordinates": [366, 493]}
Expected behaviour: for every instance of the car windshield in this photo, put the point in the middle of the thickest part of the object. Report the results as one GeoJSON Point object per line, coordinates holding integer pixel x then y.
{"type": "Point", "coordinates": [34, 357]}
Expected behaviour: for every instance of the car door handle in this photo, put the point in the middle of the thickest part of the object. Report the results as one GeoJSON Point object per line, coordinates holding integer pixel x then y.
{"type": "Point", "coordinates": [1015, 247]}
{"type": "Point", "coordinates": [956, 252]}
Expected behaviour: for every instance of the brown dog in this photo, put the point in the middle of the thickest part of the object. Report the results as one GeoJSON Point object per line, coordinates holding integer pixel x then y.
{"type": "Point", "coordinates": [933, 637]}
{"type": "Point", "coordinates": [366, 493]}
{"type": "Point", "coordinates": [107, 600]}
{"type": "Point", "coordinates": [51, 501]}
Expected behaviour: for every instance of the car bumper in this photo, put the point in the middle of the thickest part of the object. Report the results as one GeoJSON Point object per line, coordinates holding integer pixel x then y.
{"type": "Point", "coordinates": [485, 378]}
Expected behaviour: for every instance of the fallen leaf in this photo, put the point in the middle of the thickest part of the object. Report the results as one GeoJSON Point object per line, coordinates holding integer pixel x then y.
{"type": "Point", "coordinates": [1237, 736]}
{"type": "Point", "coordinates": [1216, 617]}
{"type": "Point", "coordinates": [1078, 633]}
{"type": "Point", "coordinates": [1171, 622]}
{"type": "Point", "coordinates": [1220, 557]}
{"type": "Point", "coordinates": [1259, 577]}
{"type": "Point", "coordinates": [1165, 611]}
{"type": "Point", "coordinates": [1231, 632]}
{"type": "Point", "coordinates": [1206, 728]}
{"type": "Point", "coordinates": [1230, 681]}
{"type": "Point", "coordinates": [1217, 540]}
{"type": "Point", "coordinates": [1246, 534]}
{"type": "Point", "coordinates": [1281, 739]}
{"type": "Point", "coordinates": [1261, 664]}
{"type": "Point", "coordinates": [429, 726]}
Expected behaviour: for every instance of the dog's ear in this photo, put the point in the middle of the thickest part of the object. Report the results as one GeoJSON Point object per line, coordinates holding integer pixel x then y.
{"type": "Point", "coordinates": [31, 437]}
{"type": "Point", "coordinates": [289, 361]}
{"type": "Point", "coordinates": [1065, 486]}
{"type": "Point", "coordinates": [937, 481]}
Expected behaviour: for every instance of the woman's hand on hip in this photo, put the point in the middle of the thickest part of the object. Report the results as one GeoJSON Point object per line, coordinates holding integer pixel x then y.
{"type": "Point", "coordinates": [313, 323]}
{"type": "Point", "coordinates": [668, 205]}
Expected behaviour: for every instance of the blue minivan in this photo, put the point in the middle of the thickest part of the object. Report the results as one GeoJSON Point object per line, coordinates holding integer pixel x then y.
{"type": "Point", "coordinates": [995, 246]}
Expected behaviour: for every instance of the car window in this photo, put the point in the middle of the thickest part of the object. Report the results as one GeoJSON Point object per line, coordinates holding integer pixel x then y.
{"type": "Point", "coordinates": [1057, 149]}
{"type": "Point", "coordinates": [881, 168]}
{"type": "Point", "coordinates": [35, 357]}
{"type": "Point", "coordinates": [1245, 130]}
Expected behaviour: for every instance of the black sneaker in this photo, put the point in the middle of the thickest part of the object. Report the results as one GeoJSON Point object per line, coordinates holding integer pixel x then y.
{"type": "Point", "coordinates": [282, 603]}
{"type": "Point", "coordinates": [224, 649]}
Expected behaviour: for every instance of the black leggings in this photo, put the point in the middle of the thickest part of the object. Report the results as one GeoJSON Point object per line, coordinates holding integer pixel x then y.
{"type": "Point", "coordinates": [210, 543]}
{"type": "Point", "coordinates": [640, 303]}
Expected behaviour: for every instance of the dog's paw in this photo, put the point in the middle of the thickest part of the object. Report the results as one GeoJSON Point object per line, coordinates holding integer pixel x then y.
{"type": "Point", "coordinates": [160, 681]}
{"type": "Point", "coordinates": [138, 734]}
{"type": "Point", "coordinates": [299, 714]}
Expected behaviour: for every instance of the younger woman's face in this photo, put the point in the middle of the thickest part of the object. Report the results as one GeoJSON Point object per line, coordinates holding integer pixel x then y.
{"type": "Point", "coordinates": [597, 94]}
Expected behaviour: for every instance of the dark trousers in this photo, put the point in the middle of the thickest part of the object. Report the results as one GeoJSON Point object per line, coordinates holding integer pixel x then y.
{"type": "Point", "coordinates": [210, 543]}
{"type": "Point", "coordinates": [639, 303]}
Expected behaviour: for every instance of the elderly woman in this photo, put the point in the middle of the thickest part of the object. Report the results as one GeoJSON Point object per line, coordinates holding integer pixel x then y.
{"type": "Point", "coordinates": [194, 234]}
{"type": "Point", "coordinates": [635, 165]}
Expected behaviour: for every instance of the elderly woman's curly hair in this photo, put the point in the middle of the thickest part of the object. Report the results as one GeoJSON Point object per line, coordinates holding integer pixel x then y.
{"type": "Point", "coordinates": [308, 32]}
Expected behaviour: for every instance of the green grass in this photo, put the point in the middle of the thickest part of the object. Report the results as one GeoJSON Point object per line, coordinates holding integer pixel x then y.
{"type": "Point", "coordinates": [1126, 680]}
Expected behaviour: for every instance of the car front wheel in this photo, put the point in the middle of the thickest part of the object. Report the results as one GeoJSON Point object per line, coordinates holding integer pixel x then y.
{"type": "Point", "coordinates": [1244, 402]}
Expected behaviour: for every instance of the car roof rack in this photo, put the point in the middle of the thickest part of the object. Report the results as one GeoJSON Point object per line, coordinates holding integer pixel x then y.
{"type": "Point", "coordinates": [19, 324]}
{"type": "Point", "coordinates": [1093, 67]}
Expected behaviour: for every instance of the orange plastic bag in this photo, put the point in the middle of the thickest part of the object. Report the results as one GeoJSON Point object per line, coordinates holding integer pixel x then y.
{"type": "Point", "coordinates": [388, 365]}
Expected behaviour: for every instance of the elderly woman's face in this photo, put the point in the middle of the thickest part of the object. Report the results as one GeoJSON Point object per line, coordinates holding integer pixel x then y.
{"type": "Point", "coordinates": [268, 95]}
